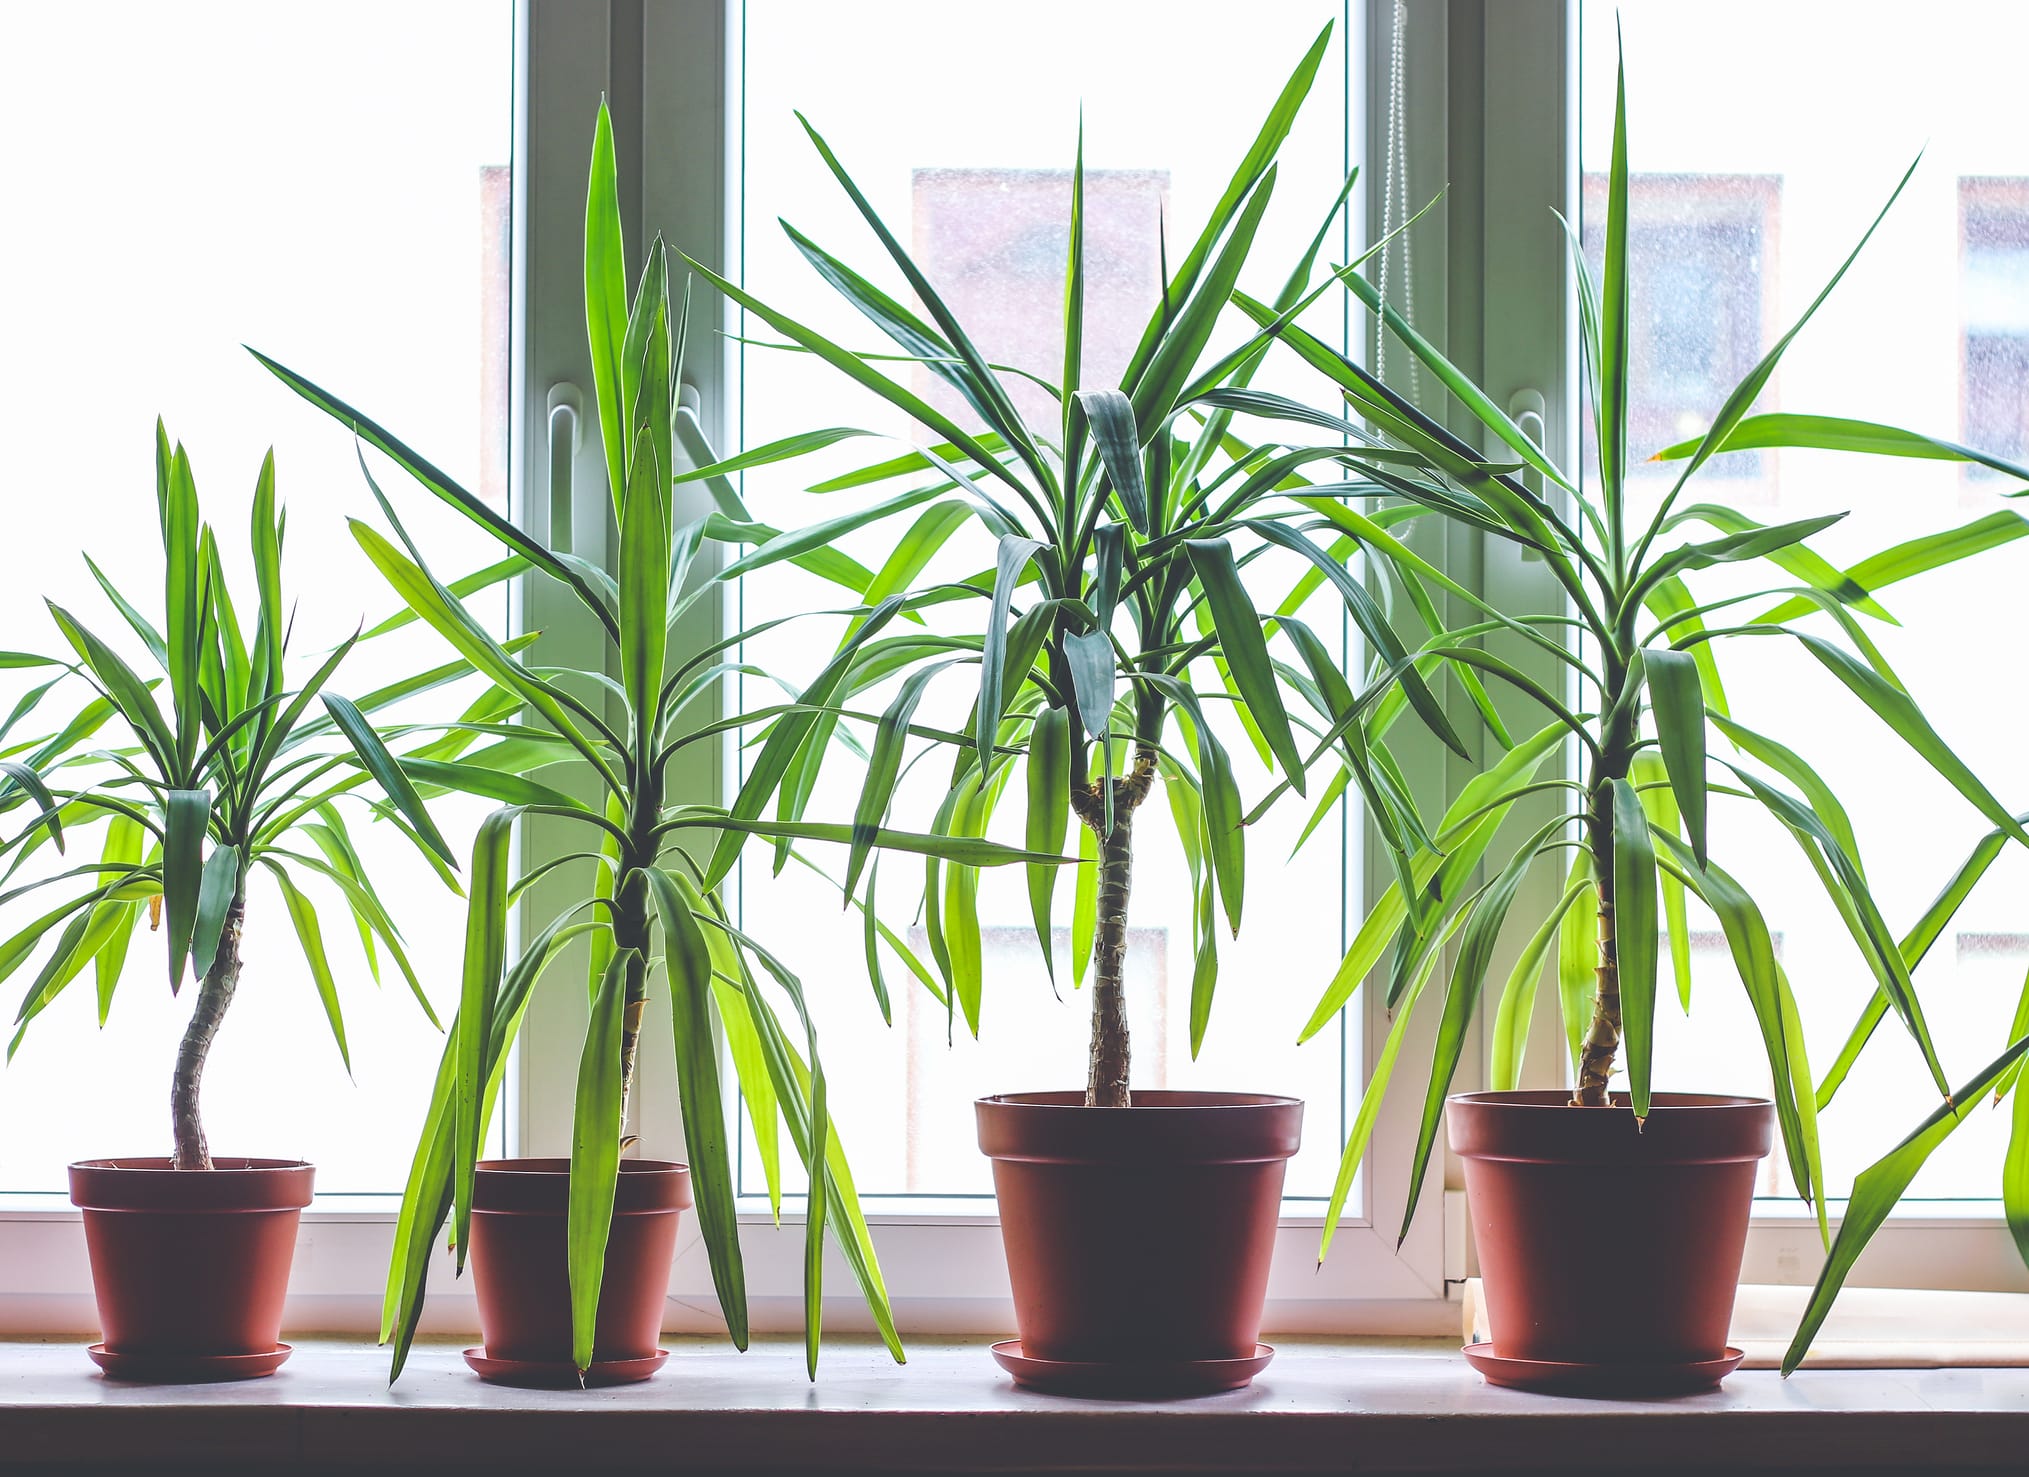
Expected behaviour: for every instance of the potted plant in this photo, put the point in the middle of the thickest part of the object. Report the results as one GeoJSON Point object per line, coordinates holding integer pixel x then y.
{"type": "Point", "coordinates": [1138, 1225]}
{"type": "Point", "coordinates": [571, 1257]}
{"type": "Point", "coordinates": [1610, 1225]}
{"type": "Point", "coordinates": [190, 1253]}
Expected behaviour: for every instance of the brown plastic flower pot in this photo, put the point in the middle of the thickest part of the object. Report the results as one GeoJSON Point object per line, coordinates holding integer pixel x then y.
{"type": "Point", "coordinates": [190, 1267]}
{"type": "Point", "coordinates": [1605, 1245]}
{"type": "Point", "coordinates": [1139, 1239]}
{"type": "Point", "coordinates": [522, 1278]}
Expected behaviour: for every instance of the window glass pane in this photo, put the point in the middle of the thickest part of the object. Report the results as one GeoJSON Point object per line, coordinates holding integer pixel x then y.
{"type": "Point", "coordinates": [977, 184]}
{"type": "Point", "coordinates": [1755, 170]}
{"type": "Point", "coordinates": [331, 185]}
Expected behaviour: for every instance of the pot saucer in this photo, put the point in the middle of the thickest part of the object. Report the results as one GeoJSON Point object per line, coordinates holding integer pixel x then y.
{"type": "Point", "coordinates": [1550, 1377]}
{"type": "Point", "coordinates": [187, 1369]}
{"type": "Point", "coordinates": [543, 1374]}
{"type": "Point", "coordinates": [1152, 1379]}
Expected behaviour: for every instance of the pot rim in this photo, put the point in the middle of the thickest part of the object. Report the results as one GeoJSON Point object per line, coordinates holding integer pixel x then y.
{"type": "Point", "coordinates": [150, 1183]}
{"type": "Point", "coordinates": [1178, 1100]}
{"type": "Point", "coordinates": [548, 1164]}
{"type": "Point", "coordinates": [1162, 1126]}
{"type": "Point", "coordinates": [1535, 1099]}
{"type": "Point", "coordinates": [152, 1164]}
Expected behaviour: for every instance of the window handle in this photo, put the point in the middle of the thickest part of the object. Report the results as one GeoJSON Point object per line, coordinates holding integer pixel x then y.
{"type": "Point", "coordinates": [1526, 409]}
{"type": "Point", "coordinates": [565, 406]}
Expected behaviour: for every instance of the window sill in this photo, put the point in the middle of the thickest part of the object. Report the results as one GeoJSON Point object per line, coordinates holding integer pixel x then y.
{"type": "Point", "coordinates": [1384, 1405]}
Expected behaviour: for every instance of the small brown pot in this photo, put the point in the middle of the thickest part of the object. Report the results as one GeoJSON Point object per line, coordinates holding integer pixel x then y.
{"type": "Point", "coordinates": [1602, 1243]}
{"type": "Point", "coordinates": [521, 1275]}
{"type": "Point", "coordinates": [1142, 1235]}
{"type": "Point", "coordinates": [190, 1267]}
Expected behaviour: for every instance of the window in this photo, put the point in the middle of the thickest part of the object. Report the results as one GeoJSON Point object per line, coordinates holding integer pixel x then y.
{"type": "Point", "coordinates": [1706, 246]}
{"type": "Point", "coordinates": [404, 217]}
{"type": "Point", "coordinates": [1994, 266]}
{"type": "Point", "coordinates": [282, 176]}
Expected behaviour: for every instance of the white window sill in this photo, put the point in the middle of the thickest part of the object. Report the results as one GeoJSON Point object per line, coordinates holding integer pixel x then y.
{"type": "Point", "coordinates": [1322, 1406]}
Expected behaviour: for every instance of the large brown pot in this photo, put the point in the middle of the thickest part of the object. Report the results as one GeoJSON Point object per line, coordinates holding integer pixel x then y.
{"type": "Point", "coordinates": [1142, 1235]}
{"type": "Point", "coordinates": [190, 1267]}
{"type": "Point", "coordinates": [521, 1275]}
{"type": "Point", "coordinates": [1601, 1242]}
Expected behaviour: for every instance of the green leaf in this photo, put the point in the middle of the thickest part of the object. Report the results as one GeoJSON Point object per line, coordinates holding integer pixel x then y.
{"type": "Point", "coordinates": [1245, 650]}
{"type": "Point", "coordinates": [1013, 557]}
{"type": "Point", "coordinates": [644, 587]}
{"type": "Point", "coordinates": [1111, 417]}
{"type": "Point", "coordinates": [1785, 431]}
{"type": "Point", "coordinates": [1047, 818]}
{"type": "Point", "coordinates": [125, 840]}
{"type": "Point", "coordinates": [1916, 556]}
{"type": "Point", "coordinates": [52, 813]}
{"type": "Point", "coordinates": [1489, 910]}
{"type": "Point", "coordinates": [1084, 906]}
{"type": "Point", "coordinates": [1899, 711]}
{"type": "Point", "coordinates": [1615, 323]}
{"type": "Point", "coordinates": [1517, 1005]}
{"type": "Point", "coordinates": [1680, 729]}
{"type": "Point", "coordinates": [1362, 1131]}
{"type": "Point", "coordinates": [181, 582]}
{"type": "Point", "coordinates": [485, 951]}
{"type": "Point", "coordinates": [687, 961]}
{"type": "Point", "coordinates": [185, 815]}
{"type": "Point", "coordinates": [1094, 677]}
{"type": "Point", "coordinates": [1879, 1187]}
{"type": "Point", "coordinates": [436, 482]}
{"type": "Point", "coordinates": [1634, 938]}
{"type": "Point", "coordinates": [378, 762]}
{"type": "Point", "coordinates": [606, 300]}
{"type": "Point", "coordinates": [215, 893]}
{"type": "Point", "coordinates": [483, 779]}
{"type": "Point", "coordinates": [1578, 960]}
{"type": "Point", "coordinates": [129, 694]}
{"type": "Point", "coordinates": [443, 612]}
{"type": "Point", "coordinates": [311, 935]}
{"type": "Point", "coordinates": [595, 1154]}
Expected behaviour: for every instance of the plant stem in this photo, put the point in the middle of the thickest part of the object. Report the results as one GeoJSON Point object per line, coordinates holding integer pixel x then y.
{"type": "Point", "coordinates": [214, 995]}
{"type": "Point", "coordinates": [630, 931]}
{"type": "Point", "coordinates": [1616, 758]}
{"type": "Point", "coordinates": [1107, 1066]}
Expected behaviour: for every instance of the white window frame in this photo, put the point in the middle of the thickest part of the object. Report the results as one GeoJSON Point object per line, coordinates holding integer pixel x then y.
{"type": "Point", "coordinates": [1491, 93]}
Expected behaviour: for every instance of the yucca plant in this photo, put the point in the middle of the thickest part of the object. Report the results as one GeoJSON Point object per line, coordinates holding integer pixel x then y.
{"type": "Point", "coordinates": [1116, 603]}
{"type": "Point", "coordinates": [1643, 699]}
{"type": "Point", "coordinates": [648, 907]}
{"type": "Point", "coordinates": [234, 772]}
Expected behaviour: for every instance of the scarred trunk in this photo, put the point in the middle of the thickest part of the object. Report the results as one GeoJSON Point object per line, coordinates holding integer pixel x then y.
{"type": "Point", "coordinates": [1614, 758]}
{"type": "Point", "coordinates": [630, 931]}
{"type": "Point", "coordinates": [1602, 1037]}
{"type": "Point", "coordinates": [214, 995]}
{"type": "Point", "coordinates": [1107, 1066]}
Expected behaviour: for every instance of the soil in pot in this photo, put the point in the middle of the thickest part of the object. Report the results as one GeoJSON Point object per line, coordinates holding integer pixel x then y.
{"type": "Point", "coordinates": [1605, 1244]}
{"type": "Point", "coordinates": [522, 1281]}
{"type": "Point", "coordinates": [190, 1267]}
{"type": "Point", "coordinates": [1139, 1237]}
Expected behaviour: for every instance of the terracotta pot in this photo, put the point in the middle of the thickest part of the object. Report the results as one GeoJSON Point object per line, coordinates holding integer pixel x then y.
{"type": "Point", "coordinates": [190, 1267]}
{"type": "Point", "coordinates": [1600, 1243]}
{"type": "Point", "coordinates": [519, 1268]}
{"type": "Point", "coordinates": [1144, 1234]}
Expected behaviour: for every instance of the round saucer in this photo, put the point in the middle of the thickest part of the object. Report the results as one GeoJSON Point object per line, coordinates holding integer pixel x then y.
{"type": "Point", "coordinates": [1152, 1379]}
{"type": "Point", "coordinates": [1551, 1377]}
{"type": "Point", "coordinates": [543, 1374]}
{"type": "Point", "coordinates": [187, 1369]}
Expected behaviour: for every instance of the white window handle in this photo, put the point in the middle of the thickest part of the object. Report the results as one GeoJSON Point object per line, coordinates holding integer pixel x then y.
{"type": "Point", "coordinates": [565, 406]}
